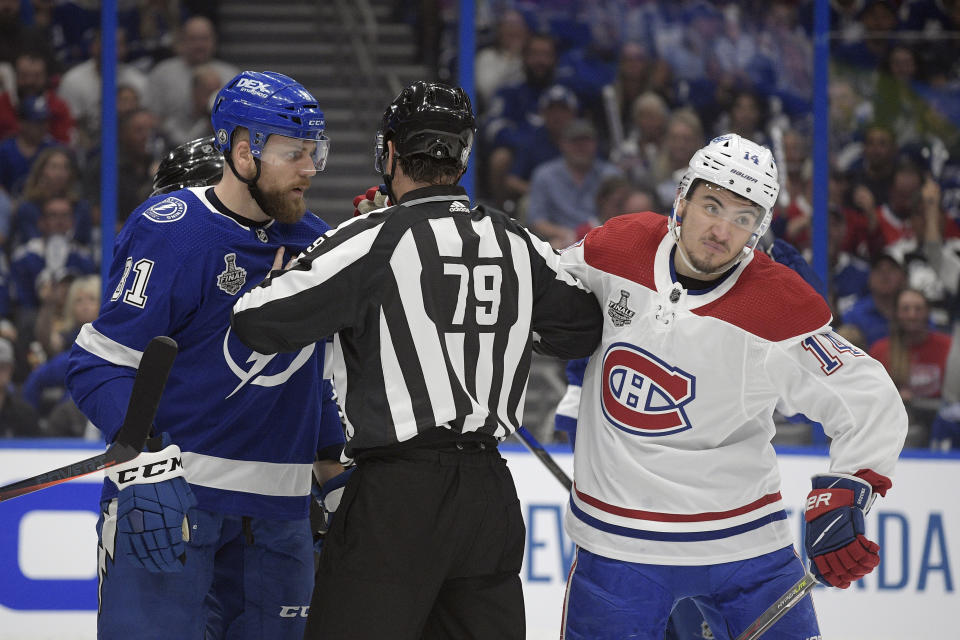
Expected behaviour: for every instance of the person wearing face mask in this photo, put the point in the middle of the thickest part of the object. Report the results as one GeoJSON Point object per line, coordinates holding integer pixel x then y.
{"type": "Point", "coordinates": [676, 491]}
{"type": "Point", "coordinates": [215, 541]}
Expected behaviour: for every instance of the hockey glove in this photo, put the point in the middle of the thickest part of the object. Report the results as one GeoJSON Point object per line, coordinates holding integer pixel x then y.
{"type": "Point", "coordinates": [834, 539]}
{"type": "Point", "coordinates": [318, 526]}
{"type": "Point", "coordinates": [330, 494]}
{"type": "Point", "coordinates": [374, 198]}
{"type": "Point", "coordinates": [151, 507]}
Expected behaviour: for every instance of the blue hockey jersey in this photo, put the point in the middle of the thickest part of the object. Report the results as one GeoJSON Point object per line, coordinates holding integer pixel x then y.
{"type": "Point", "coordinates": [249, 425]}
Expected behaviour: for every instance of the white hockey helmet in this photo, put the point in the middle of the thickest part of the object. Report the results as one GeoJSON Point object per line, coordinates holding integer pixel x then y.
{"type": "Point", "coordinates": [738, 165]}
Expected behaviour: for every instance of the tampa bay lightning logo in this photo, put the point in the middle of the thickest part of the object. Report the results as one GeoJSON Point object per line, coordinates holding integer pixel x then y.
{"type": "Point", "coordinates": [642, 394]}
{"type": "Point", "coordinates": [257, 363]}
{"type": "Point", "coordinates": [167, 210]}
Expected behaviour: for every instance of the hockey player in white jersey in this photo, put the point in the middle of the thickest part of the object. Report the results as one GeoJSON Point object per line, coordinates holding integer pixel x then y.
{"type": "Point", "coordinates": [220, 547]}
{"type": "Point", "coordinates": [676, 488]}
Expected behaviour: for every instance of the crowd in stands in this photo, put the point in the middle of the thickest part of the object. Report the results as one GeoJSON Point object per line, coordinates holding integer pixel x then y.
{"type": "Point", "coordinates": [588, 109]}
{"type": "Point", "coordinates": [50, 158]}
{"type": "Point", "coordinates": [581, 100]}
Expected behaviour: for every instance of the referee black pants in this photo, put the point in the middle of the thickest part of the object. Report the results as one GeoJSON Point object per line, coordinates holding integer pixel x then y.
{"type": "Point", "coordinates": [425, 544]}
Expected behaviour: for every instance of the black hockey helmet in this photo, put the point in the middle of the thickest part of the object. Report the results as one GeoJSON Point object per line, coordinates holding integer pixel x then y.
{"type": "Point", "coordinates": [427, 118]}
{"type": "Point", "coordinates": [197, 163]}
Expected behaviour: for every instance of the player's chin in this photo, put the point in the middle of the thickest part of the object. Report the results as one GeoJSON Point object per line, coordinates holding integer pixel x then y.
{"type": "Point", "coordinates": [290, 212]}
{"type": "Point", "coordinates": [707, 264]}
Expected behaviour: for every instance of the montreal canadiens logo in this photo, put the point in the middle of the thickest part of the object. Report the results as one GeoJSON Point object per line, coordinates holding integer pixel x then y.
{"type": "Point", "coordinates": [642, 394]}
{"type": "Point", "coordinates": [167, 210]}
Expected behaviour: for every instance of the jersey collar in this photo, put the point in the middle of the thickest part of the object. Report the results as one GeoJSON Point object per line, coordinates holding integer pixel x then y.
{"type": "Point", "coordinates": [664, 275]}
{"type": "Point", "coordinates": [218, 206]}
{"type": "Point", "coordinates": [435, 193]}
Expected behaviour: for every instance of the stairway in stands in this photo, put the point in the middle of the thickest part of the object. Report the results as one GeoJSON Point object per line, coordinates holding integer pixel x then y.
{"type": "Point", "coordinates": [322, 45]}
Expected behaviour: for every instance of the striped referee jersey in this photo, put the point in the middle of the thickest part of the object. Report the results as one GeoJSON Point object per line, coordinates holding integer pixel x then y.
{"type": "Point", "coordinates": [435, 306]}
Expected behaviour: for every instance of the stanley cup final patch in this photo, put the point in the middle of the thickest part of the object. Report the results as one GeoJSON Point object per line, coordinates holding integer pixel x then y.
{"type": "Point", "coordinates": [619, 312]}
{"type": "Point", "coordinates": [231, 279]}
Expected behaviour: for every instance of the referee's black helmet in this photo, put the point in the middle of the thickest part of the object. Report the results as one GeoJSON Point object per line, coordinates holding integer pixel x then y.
{"type": "Point", "coordinates": [197, 163]}
{"type": "Point", "coordinates": [428, 118]}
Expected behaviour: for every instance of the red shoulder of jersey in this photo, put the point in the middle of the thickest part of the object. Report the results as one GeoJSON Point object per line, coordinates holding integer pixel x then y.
{"type": "Point", "coordinates": [770, 301]}
{"type": "Point", "coordinates": [625, 246]}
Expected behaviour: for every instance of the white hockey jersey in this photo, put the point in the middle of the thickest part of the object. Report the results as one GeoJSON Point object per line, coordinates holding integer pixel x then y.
{"type": "Point", "coordinates": [674, 462]}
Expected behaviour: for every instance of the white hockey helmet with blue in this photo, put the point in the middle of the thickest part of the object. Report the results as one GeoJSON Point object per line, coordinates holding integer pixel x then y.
{"type": "Point", "coordinates": [740, 166]}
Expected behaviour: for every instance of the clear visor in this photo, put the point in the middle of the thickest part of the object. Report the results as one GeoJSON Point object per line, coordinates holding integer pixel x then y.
{"type": "Point", "coordinates": [308, 154]}
{"type": "Point", "coordinates": [747, 217]}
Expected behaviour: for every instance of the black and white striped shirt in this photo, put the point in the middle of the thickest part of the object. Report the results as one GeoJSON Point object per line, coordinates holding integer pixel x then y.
{"type": "Point", "coordinates": [436, 307]}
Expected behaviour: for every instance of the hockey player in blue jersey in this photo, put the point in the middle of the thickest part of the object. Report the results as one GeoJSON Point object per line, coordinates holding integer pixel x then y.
{"type": "Point", "coordinates": [220, 546]}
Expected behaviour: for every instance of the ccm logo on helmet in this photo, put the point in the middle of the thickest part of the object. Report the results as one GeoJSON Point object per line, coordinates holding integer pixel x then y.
{"type": "Point", "coordinates": [642, 394]}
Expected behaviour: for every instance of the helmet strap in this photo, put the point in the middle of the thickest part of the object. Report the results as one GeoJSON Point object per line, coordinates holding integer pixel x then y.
{"type": "Point", "coordinates": [388, 177]}
{"type": "Point", "coordinates": [247, 181]}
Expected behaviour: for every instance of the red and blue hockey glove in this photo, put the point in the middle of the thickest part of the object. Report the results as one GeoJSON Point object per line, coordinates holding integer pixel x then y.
{"type": "Point", "coordinates": [152, 507]}
{"type": "Point", "coordinates": [374, 198]}
{"type": "Point", "coordinates": [834, 539]}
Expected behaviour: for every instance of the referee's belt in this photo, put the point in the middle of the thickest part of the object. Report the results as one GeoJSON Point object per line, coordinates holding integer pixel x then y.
{"type": "Point", "coordinates": [435, 445]}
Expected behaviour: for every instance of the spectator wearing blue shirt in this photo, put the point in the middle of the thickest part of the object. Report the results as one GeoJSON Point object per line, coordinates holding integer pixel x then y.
{"type": "Point", "coordinates": [563, 192]}
{"type": "Point", "coordinates": [877, 20]}
{"type": "Point", "coordinates": [18, 152]}
{"type": "Point", "coordinates": [514, 110]}
{"type": "Point", "coordinates": [849, 274]}
{"type": "Point", "coordinates": [17, 418]}
{"type": "Point", "coordinates": [693, 58]}
{"type": "Point", "coordinates": [54, 173]}
{"type": "Point", "coordinates": [872, 313]}
{"type": "Point", "coordinates": [558, 107]}
{"type": "Point", "coordinates": [42, 260]}
{"type": "Point", "coordinates": [45, 387]}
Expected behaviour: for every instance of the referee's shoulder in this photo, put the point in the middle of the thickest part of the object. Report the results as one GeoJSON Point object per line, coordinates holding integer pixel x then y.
{"type": "Point", "coordinates": [498, 217]}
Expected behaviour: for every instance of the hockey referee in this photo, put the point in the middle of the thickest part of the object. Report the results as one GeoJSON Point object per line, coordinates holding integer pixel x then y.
{"type": "Point", "coordinates": [436, 305]}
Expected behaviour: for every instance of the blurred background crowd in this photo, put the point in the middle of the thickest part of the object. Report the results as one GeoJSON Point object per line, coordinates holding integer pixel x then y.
{"type": "Point", "coordinates": [588, 109]}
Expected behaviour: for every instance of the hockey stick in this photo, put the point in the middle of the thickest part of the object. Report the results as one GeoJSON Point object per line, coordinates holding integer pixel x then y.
{"type": "Point", "coordinates": [779, 608]}
{"type": "Point", "coordinates": [148, 386]}
{"type": "Point", "coordinates": [537, 449]}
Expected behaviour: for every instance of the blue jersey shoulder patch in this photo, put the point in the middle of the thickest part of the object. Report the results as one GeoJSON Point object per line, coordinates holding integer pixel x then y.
{"type": "Point", "coordinates": [167, 210]}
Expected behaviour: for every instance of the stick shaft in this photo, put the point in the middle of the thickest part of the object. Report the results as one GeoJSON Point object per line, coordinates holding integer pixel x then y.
{"type": "Point", "coordinates": [779, 608]}
{"type": "Point", "coordinates": [151, 378]}
{"type": "Point", "coordinates": [537, 449]}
